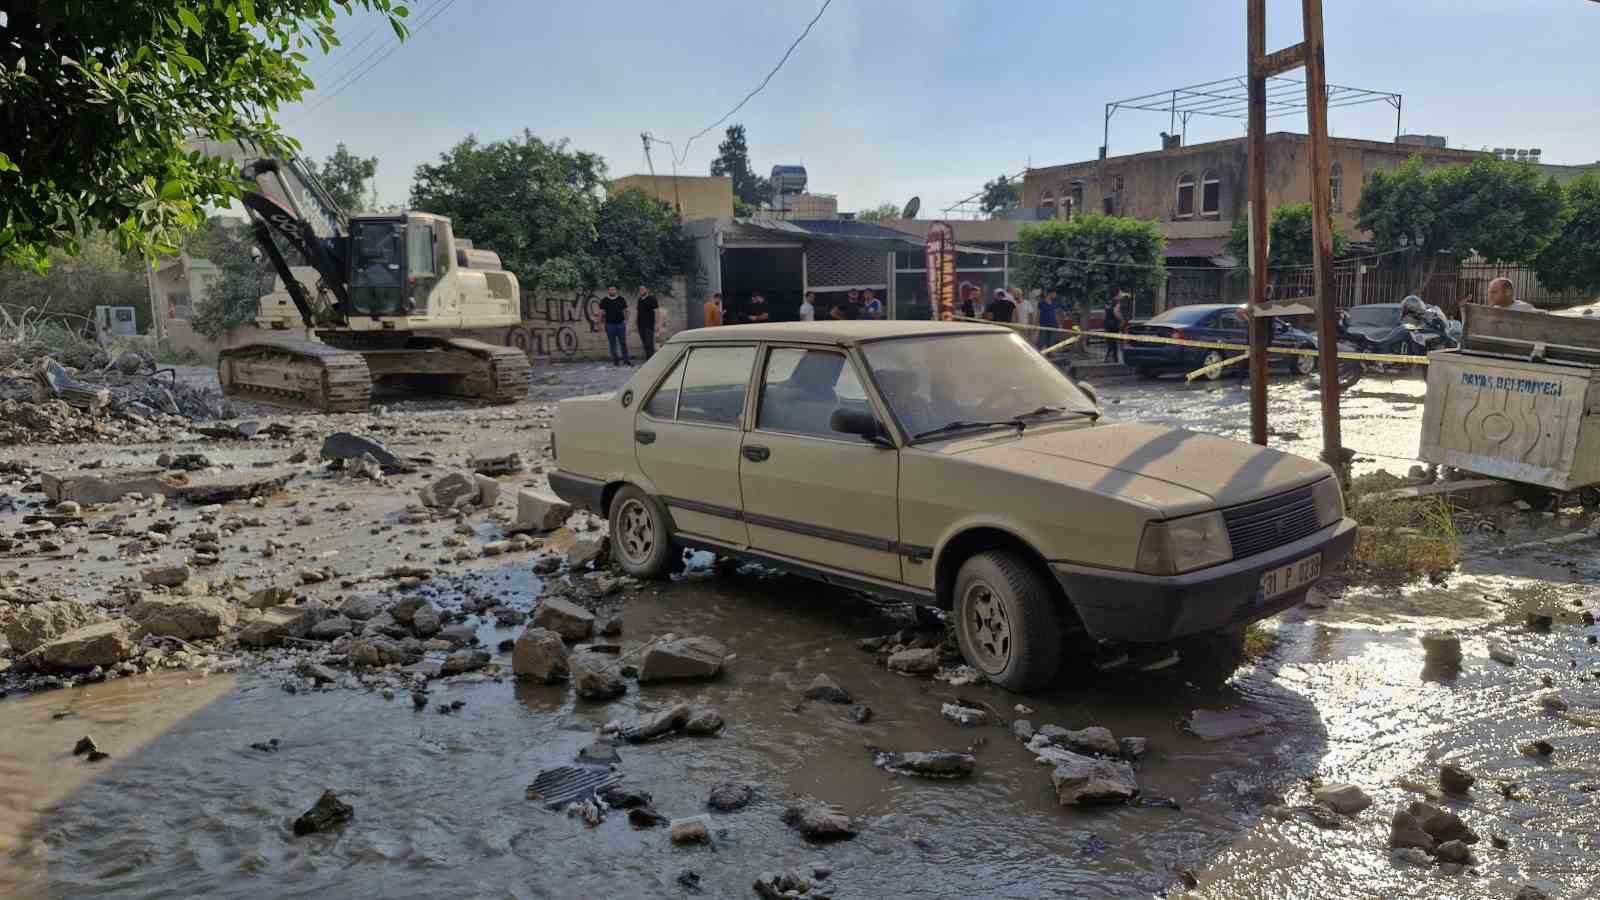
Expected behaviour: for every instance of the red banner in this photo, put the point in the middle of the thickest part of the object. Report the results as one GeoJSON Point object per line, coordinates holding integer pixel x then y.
{"type": "Point", "coordinates": [941, 250]}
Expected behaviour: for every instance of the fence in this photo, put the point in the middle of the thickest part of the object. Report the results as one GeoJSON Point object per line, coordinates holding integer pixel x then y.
{"type": "Point", "coordinates": [1445, 289]}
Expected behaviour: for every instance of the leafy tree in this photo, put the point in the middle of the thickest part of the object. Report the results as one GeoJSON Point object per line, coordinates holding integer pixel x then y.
{"type": "Point", "coordinates": [98, 96]}
{"type": "Point", "coordinates": [1571, 261]}
{"type": "Point", "coordinates": [1091, 258]}
{"type": "Point", "coordinates": [348, 179]}
{"type": "Point", "coordinates": [733, 159]}
{"type": "Point", "coordinates": [1500, 210]}
{"type": "Point", "coordinates": [637, 241]}
{"type": "Point", "coordinates": [1000, 195]}
{"type": "Point", "coordinates": [1289, 234]}
{"type": "Point", "coordinates": [70, 287]}
{"type": "Point", "coordinates": [534, 203]}
{"type": "Point", "coordinates": [879, 213]}
{"type": "Point", "coordinates": [233, 300]}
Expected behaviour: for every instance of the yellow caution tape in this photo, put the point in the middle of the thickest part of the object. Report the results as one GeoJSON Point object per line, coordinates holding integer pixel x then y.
{"type": "Point", "coordinates": [1216, 366]}
{"type": "Point", "coordinates": [1400, 358]}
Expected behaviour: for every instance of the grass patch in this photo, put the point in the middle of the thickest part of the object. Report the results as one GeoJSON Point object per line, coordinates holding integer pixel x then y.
{"type": "Point", "coordinates": [1401, 540]}
{"type": "Point", "coordinates": [1259, 642]}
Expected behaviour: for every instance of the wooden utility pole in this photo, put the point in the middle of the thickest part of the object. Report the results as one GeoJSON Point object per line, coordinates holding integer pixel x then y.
{"type": "Point", "coordinates": [1308, 53]}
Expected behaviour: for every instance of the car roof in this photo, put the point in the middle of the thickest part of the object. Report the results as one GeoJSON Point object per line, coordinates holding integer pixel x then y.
{"type": "Point", "coordinates": [846, 332]}
{"type": "Point", "coordinates": [1375, 306]}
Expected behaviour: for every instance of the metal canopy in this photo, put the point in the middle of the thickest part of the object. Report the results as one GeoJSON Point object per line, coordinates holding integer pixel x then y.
{"type": "Point", "coordinates": [1229, 98]}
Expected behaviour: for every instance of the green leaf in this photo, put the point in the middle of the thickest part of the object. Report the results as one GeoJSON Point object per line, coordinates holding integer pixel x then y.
{"type": "Point", "coordinates": [401, 11]}
{"type": "Point", "coordinates": [399, 30]}
{"type": "Point", "coordinates": [193, 65]}
{"type": "Point", "coordinates": [171, 190]}
{"type": "Point", "coordinates": [191, 21]}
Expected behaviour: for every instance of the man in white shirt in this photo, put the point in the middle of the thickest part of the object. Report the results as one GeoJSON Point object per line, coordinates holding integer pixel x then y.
{"type": "Point", "coordinates": [808, 309]}
{"type": "Point", "coordinates": [1504, 295]}
{"type": "Point", "coordinates": [1028, 312]}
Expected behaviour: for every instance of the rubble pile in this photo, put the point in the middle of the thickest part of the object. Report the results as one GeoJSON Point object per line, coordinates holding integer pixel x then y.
{"type": "Point", "coordinates": [87, 396]}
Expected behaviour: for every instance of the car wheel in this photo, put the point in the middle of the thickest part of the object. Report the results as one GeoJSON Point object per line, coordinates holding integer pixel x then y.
{"type": "Point", "coordinates": [1306, 366]}
{"type": "Point", "coordinates": [1211, 358]}
{"type": "Point", "coordinates": [640, 544]}
{"type": "Point", "coordinates": [1210, 659]}
{"type": "Point", "coordinates": [1006, 621]}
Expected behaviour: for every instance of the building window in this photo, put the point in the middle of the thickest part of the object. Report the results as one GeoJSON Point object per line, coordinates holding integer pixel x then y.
{"type": "Point", "coordinates": [1047, 200]}
{"type": "Point", "coordinates": [1210, 194]}
{"type": "Point", "coordinates": [1077, 196]}
{"type": "Point", "coordinates": [1185, 196]}
{"type": "Point", "coordinates": [1336, 187]}
{"type": "Point", "coordinates": [1116, 184]}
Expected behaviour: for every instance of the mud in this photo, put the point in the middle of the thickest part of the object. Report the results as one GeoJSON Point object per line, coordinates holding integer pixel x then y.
{"type": "Point", "coordinates": [185, 806]}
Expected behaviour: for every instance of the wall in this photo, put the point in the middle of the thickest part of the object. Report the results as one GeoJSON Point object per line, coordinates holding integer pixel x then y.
{"type": "Point", "coordinates": [701, 196]}
{"type": "Point", "coordinates": [1150, 179]}
{"type": "Point", "coordinates": [568, 328]}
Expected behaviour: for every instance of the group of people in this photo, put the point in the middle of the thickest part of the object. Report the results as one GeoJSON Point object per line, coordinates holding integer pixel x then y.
{"type": "Point", "coordinates": [858, 304]}
{"type": "Point", "coordinates": [1040, 311]}
{"type": "Point", "coordinates": [614, 316]}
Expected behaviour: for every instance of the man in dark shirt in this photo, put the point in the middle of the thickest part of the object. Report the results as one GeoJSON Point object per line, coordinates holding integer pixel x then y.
{"type": "Point", "coordinates": [756, 312]}
{"type": "Point", "coordinates": [1002, 308]}
{"type": "Point", "coordinates": [969, 302]}
{"type": "Point", "coordinates": [850, 309]}
{"type": "Point", "coordinates": [1116, 321]}
{"type": "Point", "coordinates": [645, 320]}
{"type": "Point", "coordinates": [614, 311]}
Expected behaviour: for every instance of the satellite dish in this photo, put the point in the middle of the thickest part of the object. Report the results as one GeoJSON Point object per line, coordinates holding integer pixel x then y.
{"type": "Point", "coordinates": [912, 207]}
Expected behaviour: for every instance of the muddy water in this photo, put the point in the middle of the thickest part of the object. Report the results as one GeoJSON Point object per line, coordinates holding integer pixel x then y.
{"type": "Point", "coordinates": [185, 808]}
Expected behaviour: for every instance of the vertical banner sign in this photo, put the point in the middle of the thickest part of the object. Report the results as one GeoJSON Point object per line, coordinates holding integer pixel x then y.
{"type": "Point", "coordinates": [941, 257]}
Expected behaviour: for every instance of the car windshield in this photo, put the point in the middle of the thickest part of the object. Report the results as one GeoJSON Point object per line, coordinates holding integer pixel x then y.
{"type": "Point", "coordinates": [1374, 315]}
{"type": "Point", "coordinates": [932, 382]}
{"type": "Point", "coordinates": [1183, 315]}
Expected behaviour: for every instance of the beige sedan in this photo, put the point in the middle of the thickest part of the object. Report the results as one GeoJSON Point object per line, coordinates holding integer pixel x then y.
{"type": "Point", "coordinates": [949, 464]}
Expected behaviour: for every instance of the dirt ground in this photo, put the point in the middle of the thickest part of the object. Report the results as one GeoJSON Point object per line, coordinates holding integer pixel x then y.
{"type": "Point", "coordinates": [196, 799]}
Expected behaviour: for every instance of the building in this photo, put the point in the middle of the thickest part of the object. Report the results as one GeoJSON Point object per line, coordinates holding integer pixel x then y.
{"type": "Point", "coordinates": [1196, 193]}
{"type": "Point", "coordinates": [694, 196]}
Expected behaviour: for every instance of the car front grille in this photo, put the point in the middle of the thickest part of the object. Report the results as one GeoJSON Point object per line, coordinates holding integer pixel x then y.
{"type": "Point", "coordinates": [1261, 525]}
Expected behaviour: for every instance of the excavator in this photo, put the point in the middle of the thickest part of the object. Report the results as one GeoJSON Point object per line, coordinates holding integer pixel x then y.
{"type": "Point", "coordinates": [398, 297]}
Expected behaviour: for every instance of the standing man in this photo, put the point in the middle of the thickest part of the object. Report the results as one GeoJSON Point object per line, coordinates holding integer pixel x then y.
{"type": "Point", "coordinates": [1115, 322]}
{"type": "Point", "coordinates": [1002, 308]}
{"type": "Point", "coordinates": [1028, 312]}
{"type": "Point", "coordinates": [850, 309]}
{"type": "Point", "coordinates": [1504, 295]}
{"type": "Point", "coordinates": [756, 312]}
{"type": "Point", "coordinates": [969, 305]}
{"type": "Point", "coordinates": [1048, 318]}
{"type": "Point", "coordinates": [713, 310]}
{"type": "Point", "coordinates": [871, 306]}
{"type": "Point", "coordinates": [614, 310]}
{"type": "Point", "coordinates": [808, 307]}
{"type": "Point", "coordinates": [644, 317]}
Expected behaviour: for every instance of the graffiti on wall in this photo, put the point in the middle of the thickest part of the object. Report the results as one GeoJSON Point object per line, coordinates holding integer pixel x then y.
{"type": "Point", "coordinates": [564, 326]}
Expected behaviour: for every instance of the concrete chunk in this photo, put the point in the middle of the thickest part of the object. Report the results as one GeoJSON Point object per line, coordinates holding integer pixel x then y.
{"type": "Point", "coordinates": [540, 511]}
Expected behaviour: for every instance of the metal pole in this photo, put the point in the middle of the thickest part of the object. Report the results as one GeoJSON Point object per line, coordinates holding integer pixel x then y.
{"type": "Point", "coordinates": [1322, 232]}
{"type": "Point", "coordinates": [1257, 41]}
{"type": "Point", "coordinates": [1398, 100]}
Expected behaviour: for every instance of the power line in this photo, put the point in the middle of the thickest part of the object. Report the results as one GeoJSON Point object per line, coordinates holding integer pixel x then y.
{"type": "Point", "coordinates": [438, 11]}
{"type": "Point", "coordinates": [759, 87]}
{"type": "Point", "coordinates": [346, 54]}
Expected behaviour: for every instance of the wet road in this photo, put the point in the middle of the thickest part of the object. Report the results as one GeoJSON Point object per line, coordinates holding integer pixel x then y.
{"type": "Point", "coordinates": [185, 808]}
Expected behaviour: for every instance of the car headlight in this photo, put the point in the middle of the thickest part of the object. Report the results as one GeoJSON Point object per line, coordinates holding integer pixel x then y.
{"type": "Point", "coordinates": [1329, 501]}
{"type": "Point", "coordinates": [1183, 545]}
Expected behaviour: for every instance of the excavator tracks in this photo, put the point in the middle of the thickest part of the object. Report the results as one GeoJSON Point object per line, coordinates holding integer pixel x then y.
{"type": "Point", "coordinates": [294, 373]}
{"type": "Point", "coordinates": [504, 371]}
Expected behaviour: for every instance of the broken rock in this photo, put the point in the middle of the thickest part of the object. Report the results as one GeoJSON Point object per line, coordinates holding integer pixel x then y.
{"type": "Point", "coordinates": [1455, 780]}
{"type": "Point", "coordinates": [328, 812]}
{"type": "Point", "coordinates": [826, 690]}
{"type": "Point", "coordinates": [463, 661]}
{"type": "Point", "coordinates": [277, 623]}
{"type": "Point", "coordinates": [540, 511]}
{"type": "Point", "coordinates": [924, 661]}
{"type": "Point", "coordinates": [1086, 781]}
{"type": "Point", "coordinates": [188, 618]}
{"type": "Point", "coordinates": [539, 655]}
{"type": "Point", "coordinates": [704, 721]}
{"type": "Point", "coordinates": [1346, 799]}
{"type": "Point", "coordinates": [930, 764]}
{"type": "Point", "coordinates": [1222, 725]}
{"type": "Point", "coordinates": [450, 491]}
{"type": "Point", "coordinates": [375, 652]}
{"type": "Point", "coordinates": [1092, 740]}
{"type": "Point", "coordinates": [728, 796]}
{"type": "Point", "coordinates": [38, 623]}
{"type": "Point", "coordinates": [1442, 651]}
{"type": "Point", "coordinates": [166, 576]}
{"type": "Point", "coordinates": [693, 830]}
{"type": "Point", "coordinates": [682, 659]}
{"type": "Point", "coordinates": [657, 725]}
{"type": "Point", "coordinates": [965, 716]}
{"type": "Point", "coordinates": [425, 621]}
{"type": "Point", "coordinates": [347, 446]}
{"type": "Point", "coordinates": [594, 678]}
{"type": "Point", "coordinates": [102, 644]}
{"type": "Point", "coordinates": [817, 822]}
{"type": "Point", "coordinates": [587, 549]}
{"type": "Point", "coordinates": [568, 619]}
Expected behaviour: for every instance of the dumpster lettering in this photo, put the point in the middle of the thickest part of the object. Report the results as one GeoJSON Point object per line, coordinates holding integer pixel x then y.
{"type": "Point", "coordinates": [1512, 385]}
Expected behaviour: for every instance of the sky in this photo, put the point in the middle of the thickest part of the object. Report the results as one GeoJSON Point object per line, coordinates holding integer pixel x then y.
{"type": "Point", "coordinates": [884, 100]}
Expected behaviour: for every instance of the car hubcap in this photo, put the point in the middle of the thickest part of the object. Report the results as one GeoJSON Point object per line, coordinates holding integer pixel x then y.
{"type": "Point", "coordinates": [1212, 359]}
{"type": "Point", "coordinates": [636, 534]}
{"type": "Point", "coordinates": [1307, 364]}
{"type": "Point", "coordinates": [986, 628]}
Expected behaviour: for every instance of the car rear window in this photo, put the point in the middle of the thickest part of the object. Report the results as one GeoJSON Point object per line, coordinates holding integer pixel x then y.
{"type": "Point", "coordinates": [1183, 315]}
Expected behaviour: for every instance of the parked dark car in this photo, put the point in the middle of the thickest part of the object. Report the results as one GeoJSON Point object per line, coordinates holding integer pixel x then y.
{"type": "Point", "coordinates": [1226, 323]}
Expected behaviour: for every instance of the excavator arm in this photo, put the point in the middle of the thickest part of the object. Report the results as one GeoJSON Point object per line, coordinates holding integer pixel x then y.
{"type": "Point", "coordinates": [290, 203]}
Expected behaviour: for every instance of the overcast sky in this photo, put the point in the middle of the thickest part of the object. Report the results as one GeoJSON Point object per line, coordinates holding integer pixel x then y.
{"type": "Point", "coordinates": [886, 100]}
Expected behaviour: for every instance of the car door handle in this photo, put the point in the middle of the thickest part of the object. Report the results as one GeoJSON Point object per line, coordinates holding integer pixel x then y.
{"type": "Point", "coordinates": [645, 437]}
{"type": "Point", "coordinates": [755, 453]}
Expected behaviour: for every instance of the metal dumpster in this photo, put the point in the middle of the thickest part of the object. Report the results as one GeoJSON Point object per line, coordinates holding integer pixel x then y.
{"type": "Point", "coordinates": [1519, 400]}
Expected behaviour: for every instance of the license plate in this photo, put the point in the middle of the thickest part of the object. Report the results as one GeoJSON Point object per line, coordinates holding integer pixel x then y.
{"type": "Point", "coordinates": [1283, 579]}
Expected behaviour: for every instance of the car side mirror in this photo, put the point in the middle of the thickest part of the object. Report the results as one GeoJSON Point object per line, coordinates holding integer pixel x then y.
{"type": "Point", "coordinates": [859, 423]}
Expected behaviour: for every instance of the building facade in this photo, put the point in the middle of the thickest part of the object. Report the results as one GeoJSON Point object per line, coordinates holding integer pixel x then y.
{"type": "Point", "coordinates": [694, 196]}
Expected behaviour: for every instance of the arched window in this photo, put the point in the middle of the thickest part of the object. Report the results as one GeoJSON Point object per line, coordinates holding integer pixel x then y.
{"type": "Point", "coordinates": [1185, 208]}
{"type": "Point", "coordinates": [1210, 194]}
{"type": "Point", "coordinates": [1047, 200]}
{"type": "Point", "coordinates": [1336, 187]}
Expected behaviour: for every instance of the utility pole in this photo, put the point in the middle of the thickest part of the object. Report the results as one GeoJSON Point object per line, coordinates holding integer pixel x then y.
{"type": "Point", "coordinates": [1264, 65]}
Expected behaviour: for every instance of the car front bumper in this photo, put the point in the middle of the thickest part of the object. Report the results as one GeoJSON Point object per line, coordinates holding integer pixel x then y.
{"type": "Point", "coordinates": [1129, 606]}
